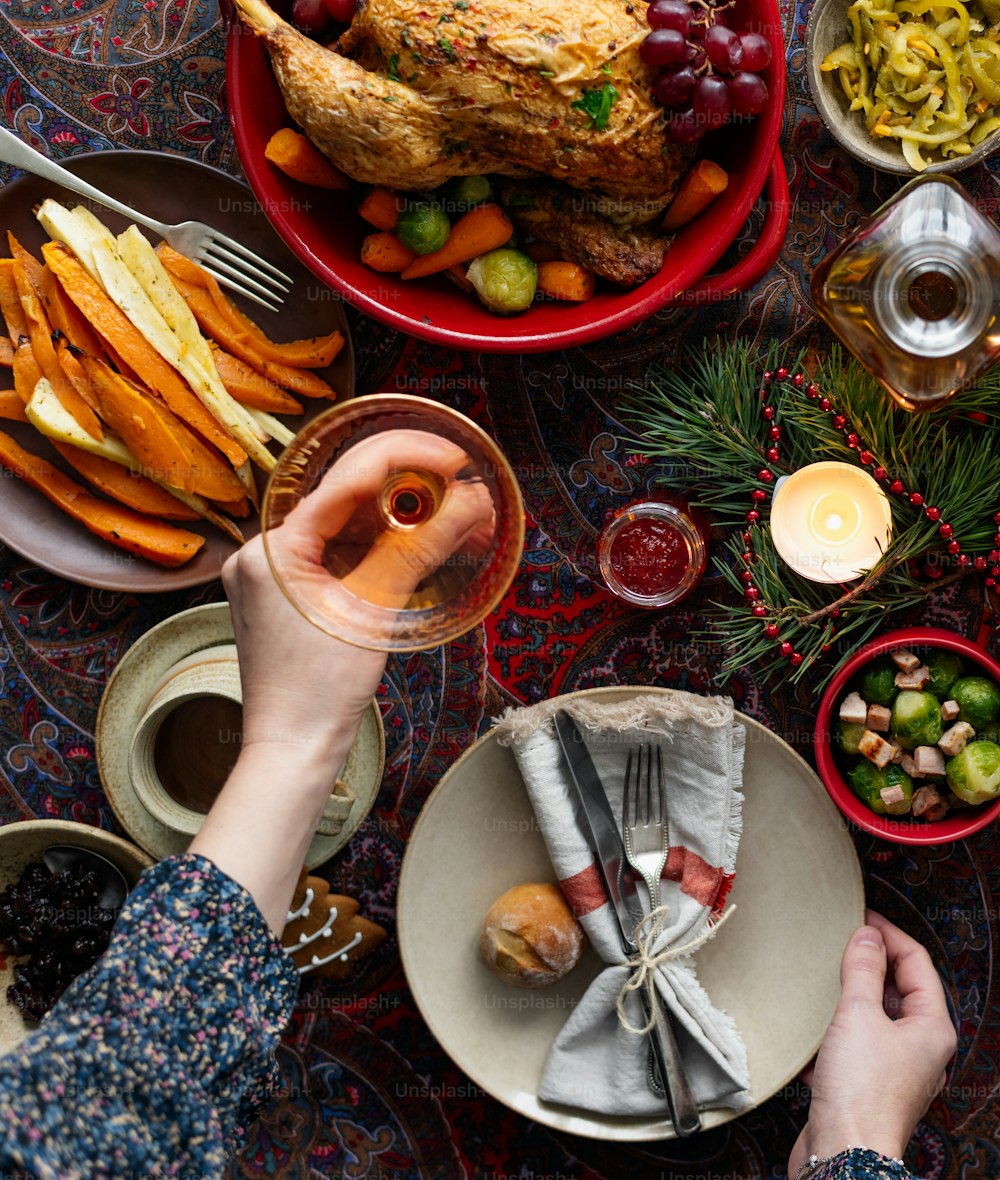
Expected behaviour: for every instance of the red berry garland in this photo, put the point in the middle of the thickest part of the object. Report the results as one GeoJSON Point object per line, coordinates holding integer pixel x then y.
{"type": "Point", "coordinates": [765, 476]}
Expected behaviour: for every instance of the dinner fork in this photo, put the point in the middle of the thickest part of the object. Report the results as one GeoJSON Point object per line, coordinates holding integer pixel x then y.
{"type": "Point", "coordinates": [645, 828]}
{"type": "Point", "coordinates": [227, 260]}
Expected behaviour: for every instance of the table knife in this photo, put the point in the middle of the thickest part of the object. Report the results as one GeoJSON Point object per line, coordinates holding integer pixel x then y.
{"type": "Point", "coordinates": [603, 837]}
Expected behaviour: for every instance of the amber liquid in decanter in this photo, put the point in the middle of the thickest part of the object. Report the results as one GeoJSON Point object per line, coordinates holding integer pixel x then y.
{"type": "Point", "coordinates": [915, 293]}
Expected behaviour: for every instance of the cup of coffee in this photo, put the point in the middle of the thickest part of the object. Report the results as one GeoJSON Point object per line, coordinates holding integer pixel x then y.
{"type": "Point", "coordinates": [188, 739]}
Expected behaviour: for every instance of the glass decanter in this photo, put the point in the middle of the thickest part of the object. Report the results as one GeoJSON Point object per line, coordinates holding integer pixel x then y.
{"type": "Point", "coordinates": [914, 293]}
{"type": "Point", "coordinates": [407, 520]}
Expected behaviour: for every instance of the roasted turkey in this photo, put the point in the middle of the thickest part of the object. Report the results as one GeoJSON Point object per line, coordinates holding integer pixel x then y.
{"type": "Point", "coordinates": [424, 90]}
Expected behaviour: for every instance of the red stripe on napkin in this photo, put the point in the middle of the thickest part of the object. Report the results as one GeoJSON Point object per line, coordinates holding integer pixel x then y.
{"type": "Point", "coordinates": [697, 878]}
{"type": "Point", "coordinates": [584, 891]}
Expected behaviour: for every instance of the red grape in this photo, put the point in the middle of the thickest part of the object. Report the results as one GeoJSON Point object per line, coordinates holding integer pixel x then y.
{"type": "Point", "coordinates": [711, 101]}
{"type": "Point", "coordinates": [669, 14]}
{"type": "Point", "coordinates": [674, 89]}
{"type": "Point", "coordinates": [747, 94]}
{"type": "Point", "coordinates": [664, 47]}
{"type": "Point", "coordinates": [756, 52]}
{"type": "Point", "coordinates": [311, 16]}
{"type": "Point", "coordinates": [724, 48]}
{"type": "Point", "coordinates": [684, 127]}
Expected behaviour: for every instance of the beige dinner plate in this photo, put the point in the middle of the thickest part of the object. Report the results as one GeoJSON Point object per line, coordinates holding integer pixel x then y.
{"type": "Point", "coordinates": [169, 188]}
{"type": "Point", "coordinates": [132, 684]}
{"type": "Point", "coordinates": [774, 967]}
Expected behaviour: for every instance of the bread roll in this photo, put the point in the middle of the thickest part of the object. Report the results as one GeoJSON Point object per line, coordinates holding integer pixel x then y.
{"type": "Point", "coordinates": [530, 937]}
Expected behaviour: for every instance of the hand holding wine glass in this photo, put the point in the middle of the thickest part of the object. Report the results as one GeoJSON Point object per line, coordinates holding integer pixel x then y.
{"type": "Point", "coordinates": [401, 521]}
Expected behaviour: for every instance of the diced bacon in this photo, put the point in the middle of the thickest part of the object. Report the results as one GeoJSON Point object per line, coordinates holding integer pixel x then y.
{"type": "Point", "coordinates": [891, 795]}
{"type": "Point", "coordinates": [915, 679]}
{"type": "Point", "coordinates": [950, 710]}
{"type": "Point", "coordinates": [928, 760]}
{"type": "Point", "coordinates": [875, 748]}
{"type": "Point", "coordinates": [898, 752]}
{"type": "Point", "coordinates": [928, 803]}
{"type": "Point", "coordinates": [907, 767]}
{"type": "Point", "coordinates": [853, 709]}
{"type": "Point", "coordinates": [905, 661]}
{"type": "Point", "coordinates": [879, 718]}
{"type": "Point", "coordinates": [953, 741]}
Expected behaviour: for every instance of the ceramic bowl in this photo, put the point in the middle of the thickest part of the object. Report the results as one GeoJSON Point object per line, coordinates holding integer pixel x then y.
{"type": "Point", "coordinates": [828, 27]}
{"type": "Point", "coordinates": [24, 842]}
{"type": "Point", "coordinates": [900, 829]}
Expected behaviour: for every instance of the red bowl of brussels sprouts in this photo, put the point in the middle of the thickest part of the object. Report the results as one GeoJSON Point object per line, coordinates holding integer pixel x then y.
{"type": "Point", "coordinates": [908, 737]}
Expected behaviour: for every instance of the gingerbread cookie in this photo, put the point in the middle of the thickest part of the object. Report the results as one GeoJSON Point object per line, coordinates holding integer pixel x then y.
{"type": "Point", "coordinates": [323, 934]}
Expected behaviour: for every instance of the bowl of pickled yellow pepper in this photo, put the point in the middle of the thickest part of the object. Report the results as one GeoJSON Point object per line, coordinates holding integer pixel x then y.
{"type": "Point", "coordinates": [908, 86]}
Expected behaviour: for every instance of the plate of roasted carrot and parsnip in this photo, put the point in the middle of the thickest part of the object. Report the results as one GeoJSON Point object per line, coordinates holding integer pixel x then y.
{"type": "Point", "coordinates": [141, 406]}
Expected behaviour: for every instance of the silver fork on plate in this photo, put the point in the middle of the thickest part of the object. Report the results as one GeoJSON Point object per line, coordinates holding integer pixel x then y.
{"type": "Point", "coordinates": [645, 828]}
{"type": "Point", "coordinates": [227, 260]}
{"type": "Point", "coordinates": [646, 836]}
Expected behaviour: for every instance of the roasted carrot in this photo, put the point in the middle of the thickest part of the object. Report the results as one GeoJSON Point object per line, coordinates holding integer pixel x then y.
{"type": "Point", "coordinates": [698, 190]}
{"type": "Point", "coordinates": [296, 156]}
{"type": "Point", "coordinates": [140, 356]}
{"type": "Point", "coordinates": [11, 406]}
{"type": "Point", "coordinates": [315, 352]}
{"type": "Point", "coordinates": [238, 508]}
{"type": "Point", "coordinates": [65, 316]}
{"type": "Point", "coordinates": [32, 267]}
{"type": "Point", "coordinates": [484, 228]}
{"type": "Point", "coordinates": [385, 253]}
{"type": "Point", "coordinates": [566, 281]}
{"type": "Point", "coordinates": [6, 352]}
{"type": "Point", "coordinates": [158, 438]}
{"type": "Point", "coordinates": [456, 275]}
{"type": "Point", "coordinates": [382, 208]}
{"type": "Point", "coordinates": [251, 388]}
{"type": "Point", "coordinates": [127, 487]}
{"type": "Point", "coordinates": [71, 366]}
{"type": "Point", "coordinates": [40, 334]}
{"type": "Point", "coordinates": [10, 304]}
{"type": "Point", "coordinates": [27, 374]}
{"type": "Point", "coordinates": [141, 535]}
{"type": "Point", "coordinates": [207, 314]}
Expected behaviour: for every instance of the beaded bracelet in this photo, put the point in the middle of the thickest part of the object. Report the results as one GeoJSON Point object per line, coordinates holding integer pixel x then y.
{"type": "Point", "coordinates": [814, 1162]}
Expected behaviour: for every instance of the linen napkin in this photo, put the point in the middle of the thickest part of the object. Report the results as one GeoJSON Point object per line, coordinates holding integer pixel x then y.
{"type": "Point", "coordinates": [596, 1063]}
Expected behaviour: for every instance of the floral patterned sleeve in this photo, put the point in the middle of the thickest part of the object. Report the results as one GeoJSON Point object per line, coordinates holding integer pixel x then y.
{"type": "Point", "coordinates": [860, 1163]}
{"type": "Point", "coordinates": [154, 1060]}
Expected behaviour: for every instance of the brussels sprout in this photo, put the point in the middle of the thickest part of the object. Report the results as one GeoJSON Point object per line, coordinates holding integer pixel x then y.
{"type": "Point", "coordinates": [979, 700]}
{"type": "Point", "coordinates": [423, 227]}
{"type": "Point", "coordinates": [974, 774]}
{"type": "Point", "coordinates": [867, 782]}
{"type": "Point", "coordinates": [989, 733]}
{"type": "Point", "coordinates": [916, 719]}
{"type": "Point", "coordinates": [462, 192]}
{"type": "Point", "coordinates": [848, 736]}
{"type": "Point", "coordinates": [945, 668]}
{"type": "Point", "coordinates": [878, 686]}
{"type": "Point", "coordinates": [505, 280]}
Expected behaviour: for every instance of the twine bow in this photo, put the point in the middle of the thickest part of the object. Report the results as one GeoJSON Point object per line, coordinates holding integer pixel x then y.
{"type": "Point", "coordinates": [645, 962]}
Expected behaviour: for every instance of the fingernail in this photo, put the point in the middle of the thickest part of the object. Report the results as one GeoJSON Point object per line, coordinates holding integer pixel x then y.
{"type": "Point", "coordinates": [869, 936]}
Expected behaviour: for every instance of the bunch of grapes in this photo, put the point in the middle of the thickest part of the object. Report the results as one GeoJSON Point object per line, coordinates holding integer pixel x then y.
{"type": "Point", "coordinates": [707, 73]}
{"type": "Point", "coordinates": [315, 16]}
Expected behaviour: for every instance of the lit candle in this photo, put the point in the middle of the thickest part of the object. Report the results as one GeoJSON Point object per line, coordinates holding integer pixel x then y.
{"type": "Point", "coordinates": [830, 522]}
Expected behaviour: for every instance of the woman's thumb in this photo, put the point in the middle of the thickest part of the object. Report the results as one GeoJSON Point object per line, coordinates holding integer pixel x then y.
{"type": "Point", "coordinates": [862, 969]}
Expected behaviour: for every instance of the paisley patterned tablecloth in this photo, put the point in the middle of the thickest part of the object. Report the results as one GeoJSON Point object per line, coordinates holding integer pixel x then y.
{"type": "Point", "coordinates": [369, 1092]}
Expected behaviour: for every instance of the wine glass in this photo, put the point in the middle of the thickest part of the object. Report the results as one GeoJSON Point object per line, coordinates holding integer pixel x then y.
{"type": "Point", "coordinates": [402, 522]}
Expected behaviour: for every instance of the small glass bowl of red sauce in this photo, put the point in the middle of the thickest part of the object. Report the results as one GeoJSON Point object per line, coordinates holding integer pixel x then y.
{"type": "Point", "coordinates": [652, 553]}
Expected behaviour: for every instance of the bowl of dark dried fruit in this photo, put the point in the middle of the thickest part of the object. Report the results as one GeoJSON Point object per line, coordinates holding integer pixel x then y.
{"type": "Point", "coordinates": [53, 924]}
{"type": "Point", "coordinates": [908, 737]}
